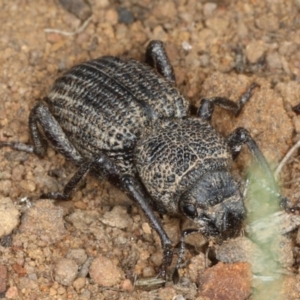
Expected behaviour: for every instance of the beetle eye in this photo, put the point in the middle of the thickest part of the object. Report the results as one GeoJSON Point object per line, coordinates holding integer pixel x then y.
{"type": "Point", "coordinates": [190, 210]}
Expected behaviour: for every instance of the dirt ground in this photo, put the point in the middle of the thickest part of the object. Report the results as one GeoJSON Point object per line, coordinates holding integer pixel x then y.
{"type": "Point", "coordinates": [94, 246]}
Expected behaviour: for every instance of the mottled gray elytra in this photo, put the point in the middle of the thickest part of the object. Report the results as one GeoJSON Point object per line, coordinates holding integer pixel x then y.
{"type": "Point", "coordinates": [126, 121]}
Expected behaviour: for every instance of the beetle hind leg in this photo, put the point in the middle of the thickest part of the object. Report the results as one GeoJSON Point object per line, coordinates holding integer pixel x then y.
{"type": "Point", "coordinates": [44, 127]}
{"type": "Point", "coordinates": [39, 146]}
{"type": "Point", "coordinates": [18, 146]}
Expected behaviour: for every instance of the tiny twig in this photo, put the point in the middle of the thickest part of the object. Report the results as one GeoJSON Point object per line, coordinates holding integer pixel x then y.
{"type": "Point", "coordinates": [70, 33]}
{"type": "Point", "coordinates": [285, 159]}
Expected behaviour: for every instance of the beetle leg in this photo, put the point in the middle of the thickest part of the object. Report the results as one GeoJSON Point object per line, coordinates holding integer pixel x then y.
{"type": "Point", "coordinates": [157, 58]}
{"type": "Point", "coordinates": [109, 170]}
{"type": "Point", "coordinates": [184, 233]}
{"type": "Point", "coordinates": [241, 136]}
{"type": "Point", "coordinates": [71, 185]}
{"type": "Point", "coordinates": [102, 164]}
{"type": "Point", "coordinates": [40, 115]}
{"type": "Point", "coordinates": [206, 108]}
{"type": "Point", "coordinates": [136, 191]}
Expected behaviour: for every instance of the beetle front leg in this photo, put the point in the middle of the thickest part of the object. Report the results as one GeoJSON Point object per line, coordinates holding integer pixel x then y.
{"type": "Point", "coordinates": [136, 191]}
{"type": "Point", "coordinates": [241, 136]}
{"type": "Point", "coordinates": [182, 245]}
{"type": "Point", "coordinates": [207, 105]}
{"type": "Point", "coordinates": [157, 58]}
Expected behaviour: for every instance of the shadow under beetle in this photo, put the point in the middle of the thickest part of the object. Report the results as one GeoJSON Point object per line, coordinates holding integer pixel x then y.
{"type": "Point", "coordinates": [126, 121]}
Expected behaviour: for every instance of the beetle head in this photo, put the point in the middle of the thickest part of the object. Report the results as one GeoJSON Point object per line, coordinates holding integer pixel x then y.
{"type": "Point", "coordinates": [215, 204]}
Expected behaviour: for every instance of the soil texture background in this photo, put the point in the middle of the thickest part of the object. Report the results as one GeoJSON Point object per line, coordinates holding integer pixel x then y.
{"type": "Point", "coordinates": [98, 244]}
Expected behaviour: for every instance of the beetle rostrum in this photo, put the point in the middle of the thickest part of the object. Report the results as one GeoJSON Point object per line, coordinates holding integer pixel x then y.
{"type": "Point", "coordinates": [215, 204]}
{"type": "Point", "coordinates": [126, 121]}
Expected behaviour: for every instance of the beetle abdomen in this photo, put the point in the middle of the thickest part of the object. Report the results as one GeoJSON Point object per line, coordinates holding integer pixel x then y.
{"type": "Point", "coordinates": [103, 104]}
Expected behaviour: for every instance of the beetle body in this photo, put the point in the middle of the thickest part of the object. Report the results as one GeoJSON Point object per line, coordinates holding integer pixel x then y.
{"type": "Point", "coordinates": [124, 109]}
{"type": "Point", "coordinates": [126, 121]}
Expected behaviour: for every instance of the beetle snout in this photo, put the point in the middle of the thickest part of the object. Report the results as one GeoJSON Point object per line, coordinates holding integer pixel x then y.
{"type": "Point", "coordinates": [229, 221]}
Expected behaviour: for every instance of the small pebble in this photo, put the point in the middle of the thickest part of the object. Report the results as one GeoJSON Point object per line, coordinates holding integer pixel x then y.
{"type": "Point", "coordinates": [82, 220]}
{"type": "Point", "coordinates": [61, 290]}
{"type": "Point", "coordinates": [5, 186]}
{"type": "Point", "coordinates": [241, 249]}
{"type": "Point", "coordinates": [79, 283]}
{"type": "Point", "coordinates": [85, 295]}
{"type": "Point", "coordinates": [268, 22]}
{"type": "Point", "coordinates": [12, 293]}
{"type": "Point", "coordinates": [6, 240]}
{"type": "Point", "coordinates": [3, 278]}
{"type": "Point", "coordinates": [148, 272]}
{"type": "Point", "coordinates": [165, 10]}
{"type": "Point", "coordinates": [45, 220]}
{"type": "Point", "coordinates": [218, 25]}
{"type": "Point", "coordinates": [20, 270]}
{"type": "Point", "coordinates": [167, 292]}
{"type": "Point", "coordinates": [9, 216]}
{"type": "Point", "coordinates": [196, 265]}
{"type": "Point", "coordinates": [209, 8]}
{"type": "Point", "coordinates": [255, 51]}
{"type": "Point", "coordinates": [104, 272]}
{"type": "Point", "coordinates": [78, 255]}
{"type": "Point", "coordinates": [226, 281]}
{"type": "Point", "coordinates": [26, 283]}
{"type": "Point", "coordinates": [186, 46]}
{"type": "Point", "coordinates": [52, 291]}
{"type": "Point", "coordinates": [125, 15]}
{"type": "Point", "coordinates": [127, 285]}
{"type": "Point", "coordinates": [157, 258]}
{"type": "Point", "coordinates": [80, 8]}
{"type": "Point", "coordinates": [80, 205]}
{"type": "Point", "coordinates": [28, 185]}
{"type": "Point", "coordinates": [274, 60]}
{"type": "Point", "coordinates": [65, 271]}
{"type": "Point", "coordinates": [117, 217]}
{"type": "Point", "coordinates": [53, 37]}
{"type": "Point", "coordinates": [146, 228]}
{"type": "Point", "coordinates": [112, 17]}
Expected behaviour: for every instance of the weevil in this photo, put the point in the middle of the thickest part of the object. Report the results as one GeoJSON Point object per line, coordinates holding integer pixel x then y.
{"type": "Point", "coordinates": [126, 121]}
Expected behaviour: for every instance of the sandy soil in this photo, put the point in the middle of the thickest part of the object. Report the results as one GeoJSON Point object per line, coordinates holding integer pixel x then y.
{"type": "Point", "coordinates": [217, 48]}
